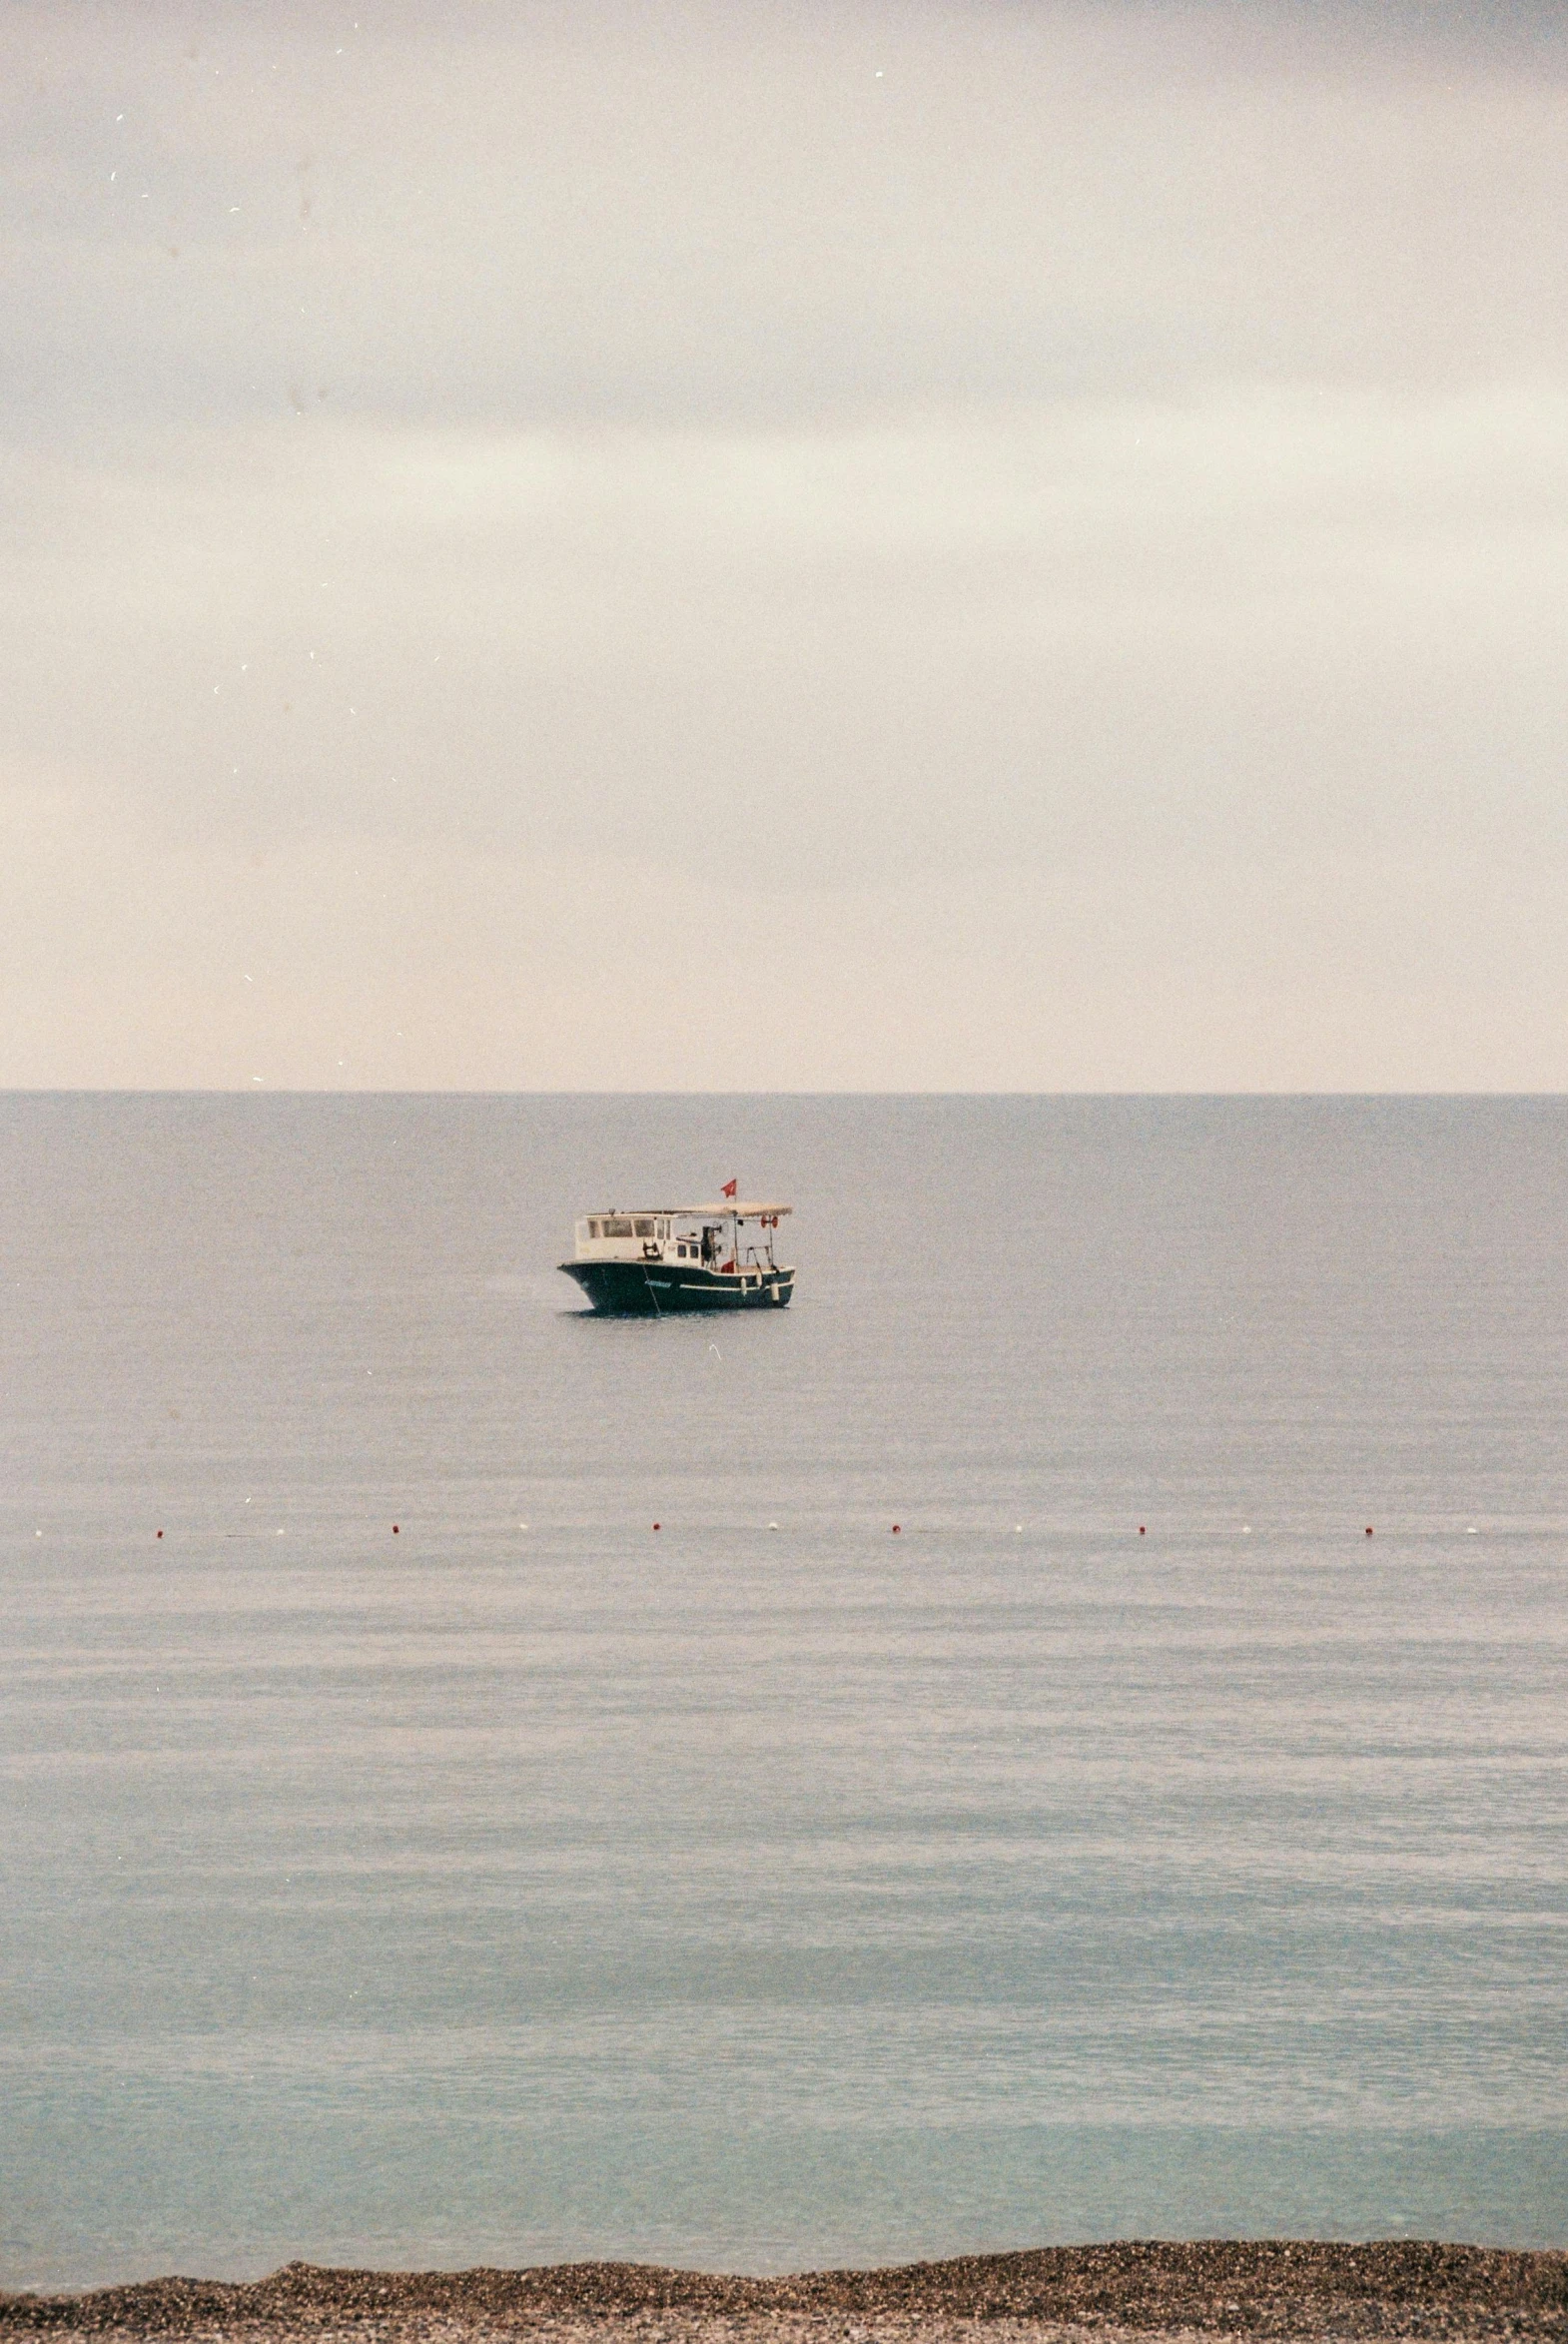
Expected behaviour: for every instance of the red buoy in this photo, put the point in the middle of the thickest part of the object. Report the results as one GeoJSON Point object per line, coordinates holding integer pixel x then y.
{"type": "Point", "coordinates": [658, 1525]}
{"type": "Point", "coordinates": [897, 1527]}
{"type": "Point", "coordinates": [395, 1530]}
{"type": "Point", "coordinates": [1369, 1531]}
{"type": "Point", "coordinates": [1141, 1532]}
{"type": "Point", "coordinates": [159, 1534]}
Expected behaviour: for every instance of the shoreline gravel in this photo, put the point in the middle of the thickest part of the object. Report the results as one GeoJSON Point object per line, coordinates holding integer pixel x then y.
{"type": "Point", "coordinates": [1133, 2290]}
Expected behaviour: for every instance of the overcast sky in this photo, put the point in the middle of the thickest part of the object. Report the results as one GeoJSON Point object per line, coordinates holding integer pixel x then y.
{"type": "Point", "coordinates": [965, 547]}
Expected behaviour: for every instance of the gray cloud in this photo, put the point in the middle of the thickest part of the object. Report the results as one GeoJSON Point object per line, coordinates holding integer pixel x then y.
{"type": "Point", "coordinates": [757, 212]}
{"type": "Point", "coordinates": [1029, 540]}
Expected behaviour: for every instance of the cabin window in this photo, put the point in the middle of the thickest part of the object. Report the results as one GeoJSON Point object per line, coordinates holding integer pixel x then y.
{"type": "Point", "coordinates": [644, 1227]}
{"type": "Point", "coordinates": [617, 1228]}
{"type": "Point", "coordinates": [593, 1228]}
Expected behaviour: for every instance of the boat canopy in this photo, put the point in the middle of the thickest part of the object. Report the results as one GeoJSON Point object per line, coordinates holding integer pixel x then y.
{"type": "Point", "coordinates": [728, 1211]}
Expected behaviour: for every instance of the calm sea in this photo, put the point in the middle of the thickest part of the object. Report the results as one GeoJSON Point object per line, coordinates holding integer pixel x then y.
{"type": "Point", "coordinates": [769, 1889]}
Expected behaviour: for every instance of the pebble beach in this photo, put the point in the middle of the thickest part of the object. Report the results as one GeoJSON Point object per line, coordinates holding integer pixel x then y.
{"type": "Point", "coordinates": [1126, 2290]}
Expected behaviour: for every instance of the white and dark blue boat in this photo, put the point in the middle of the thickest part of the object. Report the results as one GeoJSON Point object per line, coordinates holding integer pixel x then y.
{"type": "Point", "coordinates": [654, 1261]}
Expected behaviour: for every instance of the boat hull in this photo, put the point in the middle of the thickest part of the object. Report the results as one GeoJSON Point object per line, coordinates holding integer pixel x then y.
{"type": "Point", "coordinates": [668, 1290]}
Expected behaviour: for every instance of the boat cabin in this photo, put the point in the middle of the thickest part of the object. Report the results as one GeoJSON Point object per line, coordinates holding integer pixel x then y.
{"type": "Point", "coordinates": [725, 1237]}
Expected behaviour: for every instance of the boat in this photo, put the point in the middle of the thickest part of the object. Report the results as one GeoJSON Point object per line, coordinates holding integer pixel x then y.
{"type": "Point", "coordinates": [657, 1260]}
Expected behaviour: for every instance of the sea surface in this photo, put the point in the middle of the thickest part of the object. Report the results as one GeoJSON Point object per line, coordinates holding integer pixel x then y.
{"type": "Point", "coordinates": [1129, 1844]}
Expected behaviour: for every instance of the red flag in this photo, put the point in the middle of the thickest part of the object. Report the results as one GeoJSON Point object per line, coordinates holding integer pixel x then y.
{"type": "Point", "coordinates": [729, 1188]}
